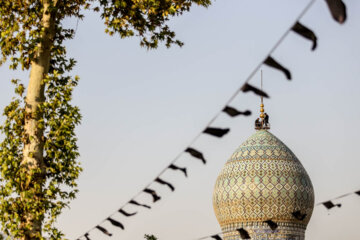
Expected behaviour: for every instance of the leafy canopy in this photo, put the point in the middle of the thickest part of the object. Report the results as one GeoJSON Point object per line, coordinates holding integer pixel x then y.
{"type": "Point", "coordinates": [150, 237]}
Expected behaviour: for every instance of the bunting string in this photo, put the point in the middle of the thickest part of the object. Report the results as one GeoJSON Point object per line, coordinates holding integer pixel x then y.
{"type": "Point", "coordinates": [338, 11]}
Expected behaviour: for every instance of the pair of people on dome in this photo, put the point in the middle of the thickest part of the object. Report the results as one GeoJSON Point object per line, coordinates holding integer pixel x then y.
{"type": "Point", "coordinates": [265, 123]}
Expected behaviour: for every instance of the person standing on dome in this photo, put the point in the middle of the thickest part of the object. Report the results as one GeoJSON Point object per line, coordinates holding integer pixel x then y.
{"type": "Point", "coordinates": [266, 120]}
{"type": "Point", "coordinates": [257, 123]}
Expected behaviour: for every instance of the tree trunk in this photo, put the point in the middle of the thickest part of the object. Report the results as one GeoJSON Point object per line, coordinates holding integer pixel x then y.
{"type": "Point", "coordinates": [32, 163]}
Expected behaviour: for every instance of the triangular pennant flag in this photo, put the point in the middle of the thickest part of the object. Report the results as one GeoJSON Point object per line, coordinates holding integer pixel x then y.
{"type": "Point", "coordinates": [232, 112]}
{"type": "Point", "coordinates": [159, 180]}
{"type": "Point", "coordinates": [116, 223]}
{"type": "Point", "coordinates": [126, 213]}
{"type": "Point", "coordinates": [274, 64]}
{"type": "Point", "coordinates": [216, 132]}
{"type": "Point", "coordinates": [216, 237]}
{"type": "Point", "coordinates": [306, 33]}
{"type": "Point", "coordinates": [243, 233]}
{"type": "Point", "coordinates": [138, 204]}
{"type": "Point", "coordinates": [273, 225]}
{"type": "Point", "coordinates": [330, 204]}
{"type": "Point", "coordinates": [337, 9]}
{"type": "Point", "coordinates": [174, 167]}
{"type": "Point", "coordinates": [87, 236]}
{"type": "Point", "coordinates": [247, 87]}
{"type": "Point", "coordinates": [298, 215]}
{"type": "Point", "coordinates": [104, 230]}
{"type": "Point", "coordinates": [357, 192]}
{"type": "Point", "coordinates": [153, 194]}
{"type": "Point", "coordinates": [195, 153]}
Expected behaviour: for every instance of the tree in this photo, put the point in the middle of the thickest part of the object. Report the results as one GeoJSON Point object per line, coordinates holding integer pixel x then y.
{"type": "Point", "coordinates": [38, 156]}
{"type": "Point", "coordinates": [150, 237]}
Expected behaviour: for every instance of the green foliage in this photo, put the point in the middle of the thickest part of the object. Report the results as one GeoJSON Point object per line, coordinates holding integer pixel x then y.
{"type": "Point", "coordinates": [20, 192]}
{"type": "Point", "coordinates": [39, 192]}
{"type": "Point", "coordinates": [144, 18]}
{"type": "Point", "coordinates": [150, 237]}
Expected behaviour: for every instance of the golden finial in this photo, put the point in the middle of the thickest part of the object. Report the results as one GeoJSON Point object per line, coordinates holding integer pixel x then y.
{"type": "Point", "coordinates": [263, 121]}
{"type": "Point", "coordinates": [262, 116]}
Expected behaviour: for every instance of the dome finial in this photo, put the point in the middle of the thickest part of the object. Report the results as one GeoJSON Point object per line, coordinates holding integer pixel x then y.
{"type": "Point", "coordinates": [264, 122]}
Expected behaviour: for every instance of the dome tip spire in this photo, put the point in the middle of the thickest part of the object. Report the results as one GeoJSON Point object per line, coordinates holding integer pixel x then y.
{"type": "Point", "coordinates": [264, 122]}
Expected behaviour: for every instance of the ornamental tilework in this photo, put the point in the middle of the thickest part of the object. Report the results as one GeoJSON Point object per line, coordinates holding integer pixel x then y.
{"type": "Point", "coordinates": [261, 231]}
{"type": "Point", "coordinates": [263, 180]}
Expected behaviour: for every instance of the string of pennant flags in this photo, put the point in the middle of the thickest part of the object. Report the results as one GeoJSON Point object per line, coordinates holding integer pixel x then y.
{"type": "Point", "coordinates": [329, 204]}
{"type": "Point", "coordinates": [338, 11]}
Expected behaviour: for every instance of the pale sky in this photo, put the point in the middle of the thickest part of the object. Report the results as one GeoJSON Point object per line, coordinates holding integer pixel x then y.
{"type": "Point", "coordinates": [141, 108]}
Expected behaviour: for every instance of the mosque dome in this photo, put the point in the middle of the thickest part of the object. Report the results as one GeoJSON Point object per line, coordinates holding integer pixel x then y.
{"type": "Point", "coordinates": [263, 180]}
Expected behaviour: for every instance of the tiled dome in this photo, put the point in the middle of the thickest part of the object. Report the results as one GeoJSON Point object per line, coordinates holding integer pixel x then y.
{"type": "Point", "coordinates": [263, 180]}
